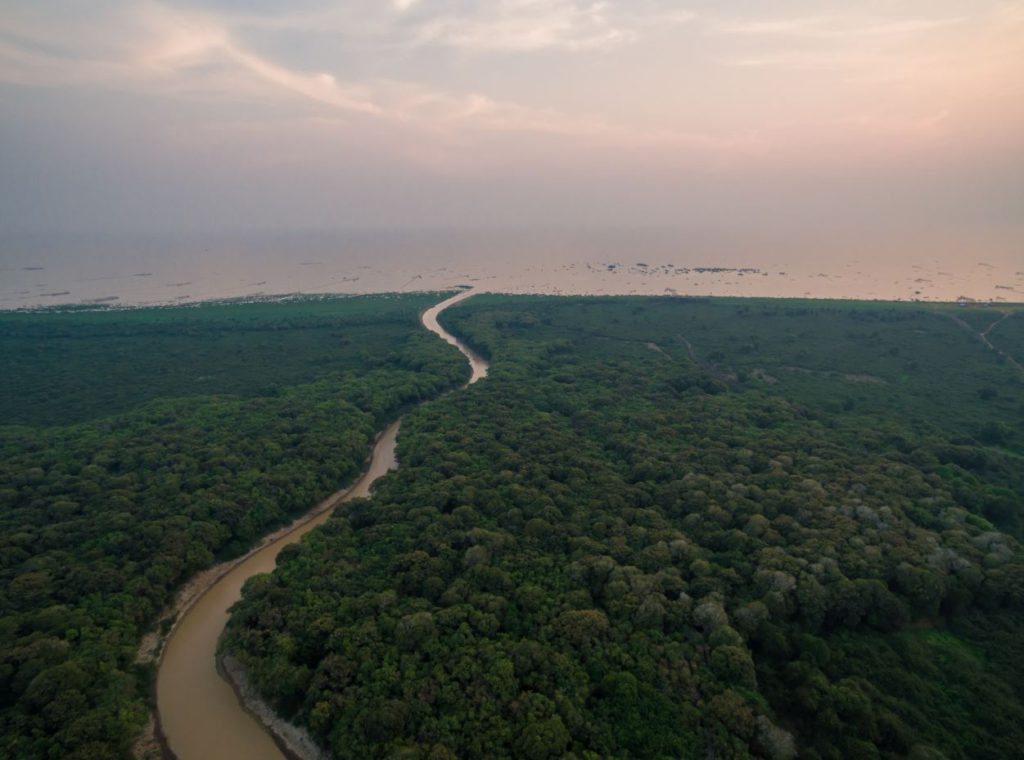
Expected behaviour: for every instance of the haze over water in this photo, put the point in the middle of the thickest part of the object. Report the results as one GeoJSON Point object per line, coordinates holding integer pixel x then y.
{"type": "Point", "coordinates": [162, 270]}
{"type": "Point", "coordinates": [175, 150]}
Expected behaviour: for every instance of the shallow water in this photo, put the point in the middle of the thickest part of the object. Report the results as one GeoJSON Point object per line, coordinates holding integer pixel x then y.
{"type": "Point", "coordinates": [161, 271]}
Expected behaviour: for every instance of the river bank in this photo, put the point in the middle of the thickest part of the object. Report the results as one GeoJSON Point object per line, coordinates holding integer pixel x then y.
{"type": "Point", "coordinates": [294, 741]}
{"type": "Point", "coordinates": [199, 714]}
{"type": "Point", "coordinates": [152, 742]}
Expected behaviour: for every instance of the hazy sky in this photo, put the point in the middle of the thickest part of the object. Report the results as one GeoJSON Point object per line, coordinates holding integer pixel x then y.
{"type": "Point", "coordinates": [902, 114]}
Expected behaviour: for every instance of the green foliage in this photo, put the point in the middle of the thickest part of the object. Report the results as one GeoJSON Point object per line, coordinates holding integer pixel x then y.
{"type": "Point", "coordinates": [606, 550]}
{"type": "Point", "coordinates": [661, 528]}
{"type": "Point", "coordinates": [65, 367]}
{"type": "Point", "coordinates": [126, 477]}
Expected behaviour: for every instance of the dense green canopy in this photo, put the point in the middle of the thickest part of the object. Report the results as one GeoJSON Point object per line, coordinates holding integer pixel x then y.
{"type": "Point", "coordinates": [150, 444]}
{"type": "Point", "coordinates": [674, 528]}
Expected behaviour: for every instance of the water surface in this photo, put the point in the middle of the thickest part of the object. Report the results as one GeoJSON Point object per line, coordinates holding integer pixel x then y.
{"type": "Point", "coordinates": [112, 271]}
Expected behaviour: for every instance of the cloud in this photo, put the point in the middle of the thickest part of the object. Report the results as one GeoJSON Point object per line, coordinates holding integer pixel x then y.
{"type": "Point", "coordinates": [836, 42]}
{"type": "Point", "coordinates": [823, 27]}
{"type": "Point", "coordinates": [321, 87]}
{"type": "Point", "coordinates": [368, 68]}
{"type": "Point", "coordinates": [179, 53]}
{"type": "Point", "coordinates": [801, 60]}
{"type": "Point", "coordinates": [527, 25]}
{"type": "Point", "coordinates": [157, 45]}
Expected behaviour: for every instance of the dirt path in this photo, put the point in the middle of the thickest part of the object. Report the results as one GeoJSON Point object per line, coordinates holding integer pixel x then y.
{"type": "Point", "coordinates": [658, 349]}
{"type": "Point", "coordinates": [689, 350]}
{"type": "Point", "coordinates": [991, 327]}
{"type": "Point", "coordinates": [983, 337]}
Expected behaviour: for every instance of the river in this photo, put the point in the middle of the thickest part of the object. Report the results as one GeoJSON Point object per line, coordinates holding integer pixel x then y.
{"type": "Point", "coordinates": [199, 713]}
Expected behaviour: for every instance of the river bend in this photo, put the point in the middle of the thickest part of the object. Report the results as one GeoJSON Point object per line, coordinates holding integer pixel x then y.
{"type": "Point", "coordinates": [198, 712]}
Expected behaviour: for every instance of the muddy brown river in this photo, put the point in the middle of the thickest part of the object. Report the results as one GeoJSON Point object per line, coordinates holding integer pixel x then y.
{"type": "Point", "coordinates": [200, 716]}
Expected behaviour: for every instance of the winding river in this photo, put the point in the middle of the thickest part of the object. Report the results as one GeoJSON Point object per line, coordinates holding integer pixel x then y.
{"type": "Point", "coordinates": [199, 713]}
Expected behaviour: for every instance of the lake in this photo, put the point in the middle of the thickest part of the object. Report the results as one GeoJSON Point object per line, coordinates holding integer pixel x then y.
{"type": "Point", "coordinates": [179, 269]}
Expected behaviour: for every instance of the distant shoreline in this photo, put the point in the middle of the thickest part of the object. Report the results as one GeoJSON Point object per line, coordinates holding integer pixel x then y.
{"type": "Point", "coordinates": [92, 307]}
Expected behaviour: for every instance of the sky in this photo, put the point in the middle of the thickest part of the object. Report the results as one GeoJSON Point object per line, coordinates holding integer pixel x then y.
{"type": "Point", "coordinates": [898, 116]}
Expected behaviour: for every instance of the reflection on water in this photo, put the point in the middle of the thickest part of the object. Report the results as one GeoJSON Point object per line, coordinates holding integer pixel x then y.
{"type": "Point", "coordinates": [165, 271]}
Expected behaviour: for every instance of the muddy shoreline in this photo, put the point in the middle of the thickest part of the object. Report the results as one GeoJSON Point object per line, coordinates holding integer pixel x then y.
{"type": "Point", "coordinates": [153, 742]}
{"type": "Point", "coordinates": [294, 742]}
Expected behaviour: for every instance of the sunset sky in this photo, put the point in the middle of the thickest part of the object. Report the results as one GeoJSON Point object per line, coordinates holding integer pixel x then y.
{"type": "Point", "coordinates": [120, 116]}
